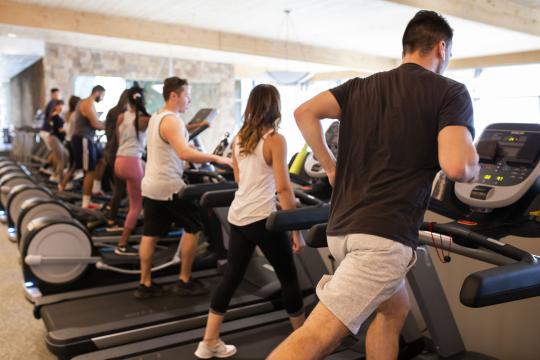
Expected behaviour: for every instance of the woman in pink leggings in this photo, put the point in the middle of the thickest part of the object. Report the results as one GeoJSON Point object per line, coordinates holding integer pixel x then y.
{"type": "Point", "coordinates": [131, 132]}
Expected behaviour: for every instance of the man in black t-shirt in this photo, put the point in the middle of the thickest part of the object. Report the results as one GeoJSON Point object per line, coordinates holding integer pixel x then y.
{"type": "Point", "coordinates": [397, 129]}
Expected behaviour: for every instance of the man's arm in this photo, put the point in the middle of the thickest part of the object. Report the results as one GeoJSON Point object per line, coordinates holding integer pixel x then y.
{"type": "Point", "coordinates": [172, 131]}
{"type": "Point", "coordinates": [308, 118]}
{"type": "Point", "coordinates": [457, 154]}
{"type": "Point", "coordinates": [90, 113]}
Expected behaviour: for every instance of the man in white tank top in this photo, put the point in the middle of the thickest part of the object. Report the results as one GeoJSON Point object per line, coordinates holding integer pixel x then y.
{"type": "Point", "coordinates": [167, 145]}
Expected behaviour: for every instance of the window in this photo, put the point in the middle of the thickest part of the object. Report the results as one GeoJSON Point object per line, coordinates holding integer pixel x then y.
{"type": "Point", "coordinates": [291, 97]}
{"type": "Point", "coordinates": [113, 89]}
{"type": "Point", "coordinates": [509, 94]}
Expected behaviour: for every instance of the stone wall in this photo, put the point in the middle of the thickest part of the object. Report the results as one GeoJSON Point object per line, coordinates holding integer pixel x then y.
{"type": "Point", "coordinates": [213, 83]}
{"type": "Point", "coordinates": [27, 93]}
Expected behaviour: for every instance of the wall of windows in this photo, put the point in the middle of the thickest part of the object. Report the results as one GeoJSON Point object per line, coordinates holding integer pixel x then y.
{"type": "Point", "coordinates": [113, 86]}
{"type": "Point", "coordinates": [503, 94]}
{"type": "Point", "coordinates": [499, 94]}
{"type": "Point", "coordinates": [291, 97]}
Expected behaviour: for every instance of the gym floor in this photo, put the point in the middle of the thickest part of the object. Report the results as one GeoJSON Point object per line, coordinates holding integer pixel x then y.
{"type": "Point", "coordinates": [21, 336]}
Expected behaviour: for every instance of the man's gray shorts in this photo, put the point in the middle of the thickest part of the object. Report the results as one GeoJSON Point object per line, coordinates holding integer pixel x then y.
{"type": "Point", "coordinates": [371, 269]}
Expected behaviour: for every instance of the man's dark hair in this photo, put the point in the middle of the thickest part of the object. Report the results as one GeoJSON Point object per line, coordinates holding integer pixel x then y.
{"type": "Point", "coordinates": [53, 90]}
{"type": "Point", "coordinates": [98, 88]}
{"type": "Point", "coordinates": [424, 31]}
{"type": "Point", "coordinates": [172, 84]}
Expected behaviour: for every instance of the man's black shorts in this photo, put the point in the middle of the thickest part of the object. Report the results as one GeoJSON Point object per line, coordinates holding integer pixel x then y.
{"type": "Point", "coordinates": [160, 214]}
{"type": "Point", "coordinates": [85, 152]}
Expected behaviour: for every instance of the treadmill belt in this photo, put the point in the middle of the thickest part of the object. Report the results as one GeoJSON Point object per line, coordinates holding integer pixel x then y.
{"type": "Point", "coordinates": [96, 315]}
{"type": "Point", "coordinates": [252, 344]}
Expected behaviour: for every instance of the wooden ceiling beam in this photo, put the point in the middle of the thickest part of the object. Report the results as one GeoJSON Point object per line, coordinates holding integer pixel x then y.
{"type": "Point", "coordinates": [500, 13]}
{"type": "Point", "coordinates": [43, 17]}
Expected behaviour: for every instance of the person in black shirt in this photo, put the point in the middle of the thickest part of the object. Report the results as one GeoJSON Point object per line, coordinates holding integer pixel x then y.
{"type": "Point", "coordinates": [55, 96]}
{"type": "Point", "coordinates": [397, 129]}
{"type": "Point", "coordinates": [56, 139]}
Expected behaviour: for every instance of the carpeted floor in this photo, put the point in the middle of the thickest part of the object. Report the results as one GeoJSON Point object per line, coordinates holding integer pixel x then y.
{"type": "Point", "coordinates": [21, 336]}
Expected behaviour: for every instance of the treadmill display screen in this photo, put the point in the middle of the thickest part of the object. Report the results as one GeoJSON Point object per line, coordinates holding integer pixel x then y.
{"type": "Point", "coordinates": [504, 162]}
{"type": "Point", "coordinates": [508, 151]}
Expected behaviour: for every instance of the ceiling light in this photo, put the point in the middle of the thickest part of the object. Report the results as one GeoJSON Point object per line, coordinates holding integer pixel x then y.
{"type": "Point", "coordinates": [12, 35]}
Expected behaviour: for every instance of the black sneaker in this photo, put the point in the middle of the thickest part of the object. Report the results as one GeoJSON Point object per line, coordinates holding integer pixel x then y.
{"type": "Point", "coordinates": [191, 288]}
{"type": "Point", "coordinates": [145, 292]}
{"type": "Point", "coordinates": [127, 250]}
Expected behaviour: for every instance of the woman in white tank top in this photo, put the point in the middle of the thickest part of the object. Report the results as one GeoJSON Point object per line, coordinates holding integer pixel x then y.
{"type": "Point", "coordinates": [131, 136]}
{"type": "Point", "coordinates": [260, 169]}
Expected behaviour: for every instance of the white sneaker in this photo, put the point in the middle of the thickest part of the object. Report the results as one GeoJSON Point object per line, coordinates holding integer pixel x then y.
{"type": "Point", "coordinates": [79, 174]}
{"type": "Point", "coordinates": [220, 350]}
{"type": "Point", "coordinates": [54, 179]}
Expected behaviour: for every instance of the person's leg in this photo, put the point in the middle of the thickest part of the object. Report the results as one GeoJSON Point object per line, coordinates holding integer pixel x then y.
{"type": "Point", "coordinates": [371, 272]}
{"type": "Point", "coordinates": [77, 152]}
{"type": "Point", "coordinates": [187, 254]}
{"type": "Point", "coordinates": [89, 166]}
{"type": "Point", "coordinates": [276, 247]}
{"type": "Point", "coordinates": [98, 175]}
{"type": "Point", "coordinates": [87, 182]}
{"type": "Point", "coordinates": [90, 163]}
{"type": "Point", "coordinates": [157, 220]}
{"type": "Point", "coordinates": [67, 178]}
{"type": "Point", "coordinates": [382, 340]}
{"type": "Point", "coordinates": [238, 258]}
{"type": "Point", "coordinates": [146, 252]}
{"type": "Point", "coordinates": [69, 147]}
{"type": "Point", "coordinates": [57, 150]}
{"type": "Point", "coordinates": [130, 168]}
{"type": "Point", "coordinates": [119, 192]}
{"type": "Point", "coordinates": [187, 215]}
{"type": "Point", "coordinates": [309, 342]}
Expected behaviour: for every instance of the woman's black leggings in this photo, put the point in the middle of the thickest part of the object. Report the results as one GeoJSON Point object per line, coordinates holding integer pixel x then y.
{"type": "Point", "coordinates": [276, 247]}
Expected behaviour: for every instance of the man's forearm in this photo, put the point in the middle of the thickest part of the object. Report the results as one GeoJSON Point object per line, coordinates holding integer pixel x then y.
{"type": "Point", "coordinates": [194, 156]}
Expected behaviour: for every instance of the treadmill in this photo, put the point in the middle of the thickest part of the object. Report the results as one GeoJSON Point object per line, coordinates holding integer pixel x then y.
{"type": "Point", "coordinates": [255, 336]}
{"type": "Point", "coordinates": [99, 321]}
{"type": "Point", "coordinates": [516, 274]}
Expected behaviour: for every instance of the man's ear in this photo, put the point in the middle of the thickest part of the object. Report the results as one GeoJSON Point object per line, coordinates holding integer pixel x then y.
{"type": "Point", "coordinates": [441, 47]}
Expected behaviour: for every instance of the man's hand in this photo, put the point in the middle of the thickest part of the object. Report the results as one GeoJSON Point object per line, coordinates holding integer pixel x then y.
{"type": "Point", "coordinates": [298, 242]}
{"type": "Point", "coordinates": [476, 173]}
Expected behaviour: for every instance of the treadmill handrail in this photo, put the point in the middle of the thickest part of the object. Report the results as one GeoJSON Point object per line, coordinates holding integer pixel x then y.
{"type": "Point", "coordinates": [475, 238]}
{"type": "Point", "coordinates": [208, 173]}
{"type": "Point", "coordinates": [297, 219]}
{"type": "Point", "coordinates": [308, 199]}
{"type": "Point", "coordinates": [219, 198]}
{"type": "Point", "coordinates": [196, 191]}
{"type": "Point", "coordinates": [501, 284]}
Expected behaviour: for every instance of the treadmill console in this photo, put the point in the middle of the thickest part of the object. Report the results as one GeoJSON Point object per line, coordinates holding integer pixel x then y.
{"type": "Point", "coordinates": [207, 114]}
{"type": "Point", "coordinates": [312, 166]}
{"type": "Point", "coordinates": [509, 166]}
